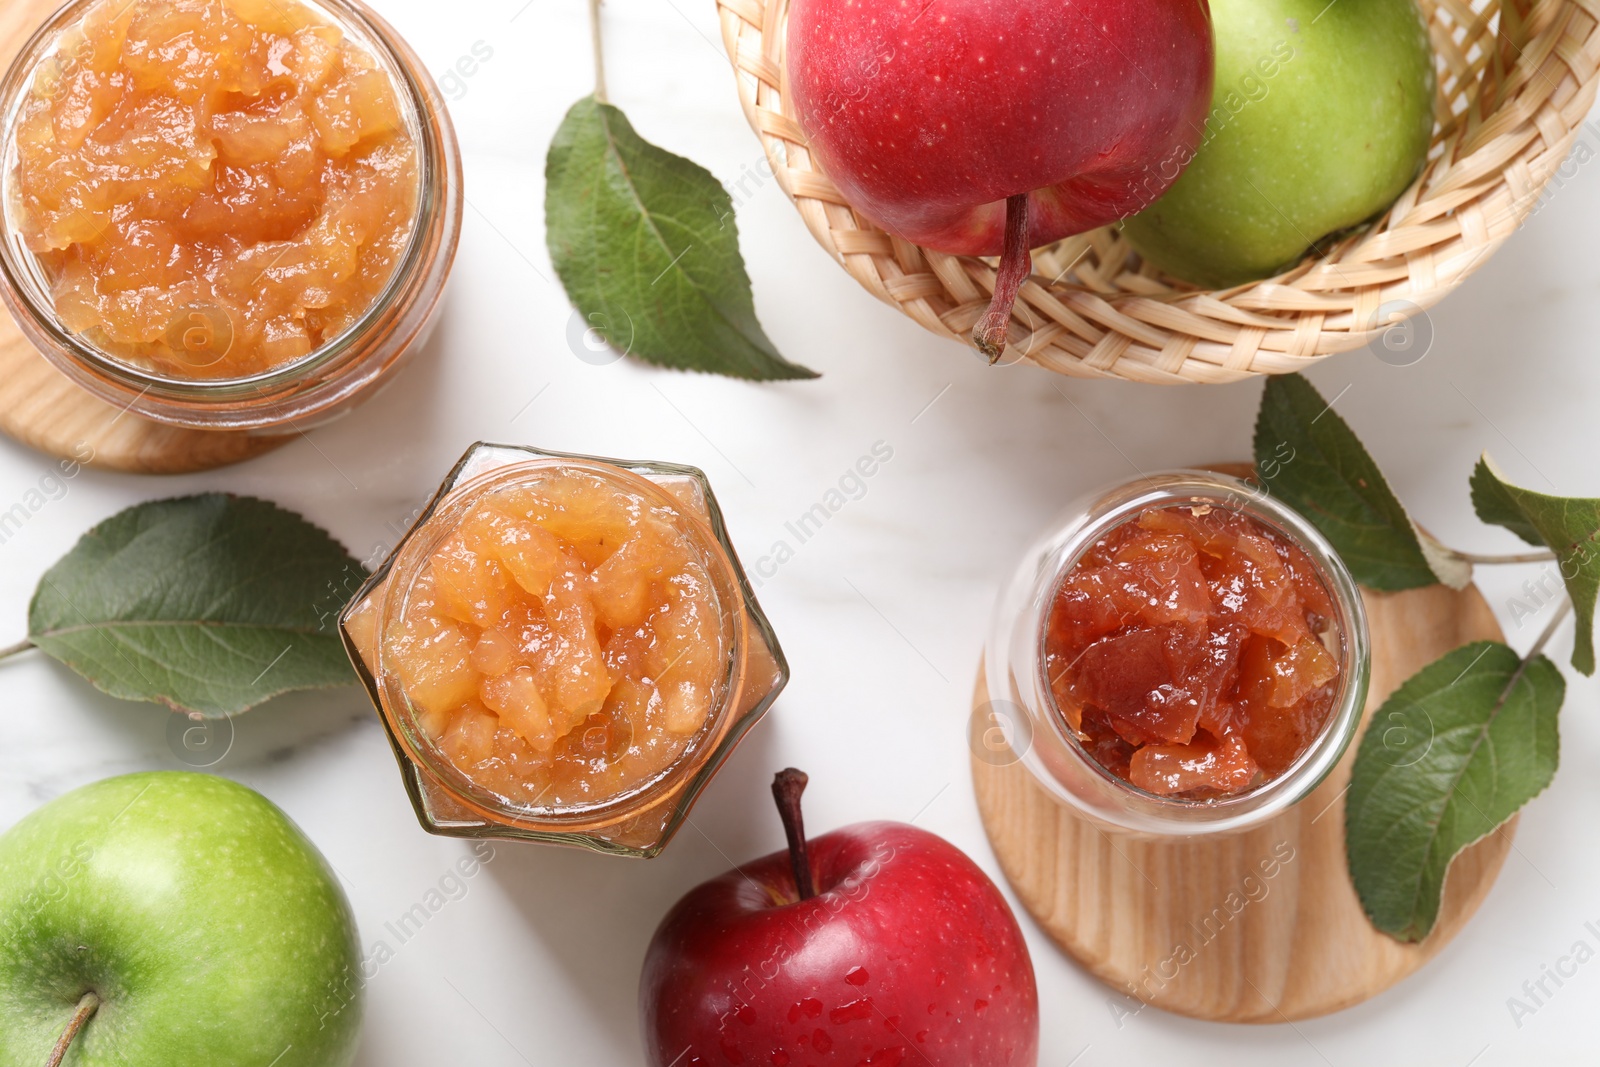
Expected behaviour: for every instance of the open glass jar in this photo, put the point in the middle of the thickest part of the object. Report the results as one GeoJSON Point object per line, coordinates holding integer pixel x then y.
{"type": "Point", "coordinates": [563, 649]}
{"type": "Point", "coordinates": [334, 355]}
{"type": "Point", "coordinates": [1022, 714]}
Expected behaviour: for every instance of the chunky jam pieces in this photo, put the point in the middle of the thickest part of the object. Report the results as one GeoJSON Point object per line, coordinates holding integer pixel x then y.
{"type": "Point", "coordinates": [213, 187]}
{"type": "Point", "coordinates": [1193, 652]}
{"type": "Point", "coordinates": [565, 643]}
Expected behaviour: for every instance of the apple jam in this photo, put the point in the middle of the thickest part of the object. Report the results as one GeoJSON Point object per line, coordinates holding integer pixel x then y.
{"type": "Point", "coordinates": [565, 643]}
{"type": "Point", "coordinates": [213, 188]}
{"type": "Point", "coordinates": [1190, 650]}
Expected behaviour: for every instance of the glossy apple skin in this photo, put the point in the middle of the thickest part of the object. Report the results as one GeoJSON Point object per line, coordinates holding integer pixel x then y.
{"type": "Point", "coordinates": [1321, 118]}
{"type": "Point", "coordinates": [928, 114]}
{"type": "Point", "coordinates": [214, 932]}
{"type": "Point", "coordinates": [907, 955]}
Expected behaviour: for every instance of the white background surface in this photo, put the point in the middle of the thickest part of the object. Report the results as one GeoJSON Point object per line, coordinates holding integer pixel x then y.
{"type": "Point", "coordinates": [882, 614]}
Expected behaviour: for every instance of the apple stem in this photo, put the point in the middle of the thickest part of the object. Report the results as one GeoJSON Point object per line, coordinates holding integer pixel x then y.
{"type": "Point", "coordinates": [786, 789]}
{"type": "Point", "coordinates": [12, 650]}
{"type": "Point", "coordinates": [86, 1008]}
{"type": "Point", "coordinates": [1015, 266]}
{"type": "Point", "coordinates": [599, 52]}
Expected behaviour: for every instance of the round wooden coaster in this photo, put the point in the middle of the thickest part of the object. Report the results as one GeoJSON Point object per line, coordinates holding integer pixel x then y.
{"type": "Point", "coordinates": [41, 408]}
{"type": "Point", "coordinates": [1258, 927]}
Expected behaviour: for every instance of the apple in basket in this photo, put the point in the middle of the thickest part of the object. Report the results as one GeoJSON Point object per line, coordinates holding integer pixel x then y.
{"type": "Point", "coordinates": [984, 128]}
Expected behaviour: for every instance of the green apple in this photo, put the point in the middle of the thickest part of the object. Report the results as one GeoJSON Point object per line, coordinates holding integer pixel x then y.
{"type": "Point", "coordinates": [1320, 118]}
{"type": "Point", "coordinates": [211, 931]}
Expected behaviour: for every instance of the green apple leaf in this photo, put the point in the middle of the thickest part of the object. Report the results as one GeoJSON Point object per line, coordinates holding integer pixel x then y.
{"type": "Point", "coordinates": [1308, 457]}
{"type": "Point", "coordinates": [1450, 756]}
{"type": "Point", "coordinates": [645, 243]}
{"type": "Point", "coordinates": [1568, 526]}
{"type": "Point", "coordinates": [209, 604]}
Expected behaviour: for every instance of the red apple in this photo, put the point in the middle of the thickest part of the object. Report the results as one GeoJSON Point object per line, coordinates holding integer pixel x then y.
{"type": "Point", "coordinates": [877, 944]}
{"type": "Point", "coordinates": [989, 127]}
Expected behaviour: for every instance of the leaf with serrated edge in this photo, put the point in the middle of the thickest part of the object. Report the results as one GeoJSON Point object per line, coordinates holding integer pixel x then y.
{"type": "Point", "coordinates": [645, 243]}
{"type": "Point", "coordinates": [1308, 457]}
{"type": "Point", "coordinates": [1450, 756]}
{"type": "Point", "coordinates": [209, 604]}
{"type": "Point", "coordinates": [1568, 526]}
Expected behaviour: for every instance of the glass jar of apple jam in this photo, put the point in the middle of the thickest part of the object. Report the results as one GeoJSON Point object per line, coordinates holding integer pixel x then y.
{"type": "Point", "coordinates": [1181, 655]}
{"type": "Point", "coordinates": [225, 214]}
{"type": "Point", "coordinates": [563, 648]}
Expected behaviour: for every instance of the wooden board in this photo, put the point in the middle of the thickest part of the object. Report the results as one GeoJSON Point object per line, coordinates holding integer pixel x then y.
{"type": "Point", "coordinates": [1199, 927]}
{"type": "Point", "coordinates": [41, 408]}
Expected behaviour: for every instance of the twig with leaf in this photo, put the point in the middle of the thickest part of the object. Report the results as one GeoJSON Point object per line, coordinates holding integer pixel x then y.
{"type": "Point", "coordinates": [645, 244]}
{"type": "Point", "coordinates": [1467, 741]}
{"type": "Point", "coordinates": [209, 604]}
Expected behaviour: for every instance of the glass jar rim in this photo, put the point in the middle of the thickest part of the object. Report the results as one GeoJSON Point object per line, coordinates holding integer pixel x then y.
{"type": "Point", "coordinates": [408, 564]}
{"type": "Point", "coordinates": [1119, 802]}
{"type": "Point", "coordinates": [24, 275]}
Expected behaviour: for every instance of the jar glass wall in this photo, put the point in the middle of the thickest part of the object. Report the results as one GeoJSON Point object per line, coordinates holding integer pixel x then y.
{"type": "Point", "coordinates": [1018, 717]}
{"type": "Point", "coordinates": [345, 366]}
{"type": "Point", "coordinates": [602, 805]}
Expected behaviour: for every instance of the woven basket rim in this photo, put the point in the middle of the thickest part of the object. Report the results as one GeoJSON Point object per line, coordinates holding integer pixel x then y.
{"type": "Point", "coordinates": [1516, 81]}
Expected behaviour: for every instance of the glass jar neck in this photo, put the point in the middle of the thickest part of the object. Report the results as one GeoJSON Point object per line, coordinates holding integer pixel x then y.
{"type": "Point", "coordinates": [1018, 699]}
{"type": "Point", "coordinates": [313, 387]}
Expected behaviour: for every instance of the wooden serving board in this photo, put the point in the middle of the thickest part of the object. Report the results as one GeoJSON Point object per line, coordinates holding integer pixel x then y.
{"type": "Point", "coordinates": [41, 408]}
{"type": "Point", "coordinates": [1202, 928]}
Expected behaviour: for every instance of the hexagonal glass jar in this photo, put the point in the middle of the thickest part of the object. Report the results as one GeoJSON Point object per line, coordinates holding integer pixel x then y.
{"type": "Point", "coordinates": [642, 819]}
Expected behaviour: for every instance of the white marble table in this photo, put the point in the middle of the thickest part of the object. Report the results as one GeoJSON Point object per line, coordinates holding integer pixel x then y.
{"type": "Point", "coordinates": [881, 613]}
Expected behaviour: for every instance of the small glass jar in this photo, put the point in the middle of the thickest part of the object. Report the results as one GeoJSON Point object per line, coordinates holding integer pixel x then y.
{"type": "Point", "coordinates": [1016, 717]}
{"type": "Point", "coordinates": [315, 387]}
{"type": "Point", "coordinates": [640, 820]}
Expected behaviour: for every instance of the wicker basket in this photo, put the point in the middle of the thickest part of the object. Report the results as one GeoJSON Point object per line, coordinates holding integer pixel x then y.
{"type": "Point", "coordinates": [1515, 82]}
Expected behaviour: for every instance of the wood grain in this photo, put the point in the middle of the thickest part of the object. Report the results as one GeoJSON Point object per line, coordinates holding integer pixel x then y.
{"type": "Point", "coordinates": [1259, 927]}
{"type": "Point", "coordinates": [41, 408]}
